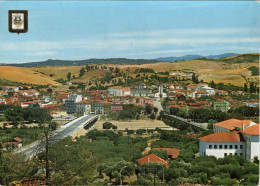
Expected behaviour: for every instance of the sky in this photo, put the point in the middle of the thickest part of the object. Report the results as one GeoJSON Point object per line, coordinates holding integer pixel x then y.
{"type": "Point", "coordinates": [76, 30]}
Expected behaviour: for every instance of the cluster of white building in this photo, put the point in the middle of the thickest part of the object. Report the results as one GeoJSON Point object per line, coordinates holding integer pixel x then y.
{"type": "Point", "coordinates": [232, 137]}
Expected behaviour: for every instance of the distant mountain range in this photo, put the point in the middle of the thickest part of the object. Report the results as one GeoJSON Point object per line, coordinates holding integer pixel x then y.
{"type": "Point", "coordinates": [57, 62]}
{"type": "Point", "coordinates": [190, 57]}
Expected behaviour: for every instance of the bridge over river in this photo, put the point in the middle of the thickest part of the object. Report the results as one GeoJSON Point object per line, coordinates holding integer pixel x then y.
{"type": "Point", "coordinates": [68, 129]}
{"type": "Point", "coordinates": [183, 121]}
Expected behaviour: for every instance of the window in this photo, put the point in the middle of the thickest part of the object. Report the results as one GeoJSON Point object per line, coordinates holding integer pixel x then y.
{"type": "Point", "coordinates": [230, 146]}
{"type": "Point", "coordinates": [225, 154]}
{"type": "Point", "coordinates": [210, 146]}
{"type": "Point", "coordinates": [241, 146]}
{"type": "Point", "coordinates": [215, 146]}
{"type": "Point", "coordinates": [220, 146]}
{"type": "Point", "coordinates": [235, 153]}
{"type": "Point", "coordinates": [235, 146]}
{"type": "Point", "coordinates": [230, 153]}
{"type": "Point", "coordinates": [225, 146]}
{"type": "Point", "coordinates": [241, 154]}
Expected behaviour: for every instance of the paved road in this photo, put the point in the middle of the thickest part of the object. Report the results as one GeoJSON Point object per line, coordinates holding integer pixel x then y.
{"type": "Point", "coordinates": [65, 130]}
{"type": "Point", "coordinates": [158, 105]}
{"type": "Point", "coordinates": [190, 122]}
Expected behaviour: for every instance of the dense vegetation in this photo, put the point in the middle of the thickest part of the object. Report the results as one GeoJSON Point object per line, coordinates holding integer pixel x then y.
{"type": "Point", "coordinates": [244, 58]}
{"type": "Point", "coordinates": [254, 71]}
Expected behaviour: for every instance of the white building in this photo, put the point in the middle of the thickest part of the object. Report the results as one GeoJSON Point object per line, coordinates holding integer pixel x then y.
{"type": "Point", "coordinates": [238, 137]}
{"type": "Point", "coordinates": [159, 93]}
{"type": "Point", "coordinates": [221, 144]}
{"type": "Point", "coordinates": [118, 91]}
{"type": "Point", "coordinates": [205, 87]}
{"type": "Point", "coordinates": [83, 107]}
{"type": "Point", "coordinates": [70, 102]}
{"type": "Point", "coordinates": [251, 136]}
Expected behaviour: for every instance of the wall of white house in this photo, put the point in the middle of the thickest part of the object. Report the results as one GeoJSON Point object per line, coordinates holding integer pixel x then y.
{"type": "Point", "coordinates": [221, 149]}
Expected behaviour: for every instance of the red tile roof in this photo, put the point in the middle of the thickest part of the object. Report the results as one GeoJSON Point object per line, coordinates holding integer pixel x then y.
{"type": "Point", "coordinates": [152, 158]}
{"type": "Point", "coordinates": [253, 130]}
{"type": "Point", "coordinates": [174, 153]}
{"type": "Point", "coordinates": [223, 137]}
{"type": "Point", "coordinates": [17, 139]}
{"type": "Point", "coordinates": [232, 123]}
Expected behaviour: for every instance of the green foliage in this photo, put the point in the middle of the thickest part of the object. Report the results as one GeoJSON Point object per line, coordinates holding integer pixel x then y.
{"type": "Point", "coordinates": [140, 131]}
{"type": "Point", "coordinates": [254, 70]}
{"type": "Point", "coordinates": [148, 109]}
{"type": "Point", "coordinates": [152, 116]}
{"type": "Point", "coordinates": [161, 153]}
{"type": "Point", "coordinates": [244, 58]}
{"type": "Point", "coordinates": [81, 72]}
{"type": "Point", "coordinates": [69, 76]}
{"type": "Point", "coordinates": [127, 114]}
{"type": "Point", "coordinates": [108, 125]}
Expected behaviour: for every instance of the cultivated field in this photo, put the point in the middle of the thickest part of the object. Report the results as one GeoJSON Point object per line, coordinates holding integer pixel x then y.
{"type": "Point", "coordinates": [134, 124]}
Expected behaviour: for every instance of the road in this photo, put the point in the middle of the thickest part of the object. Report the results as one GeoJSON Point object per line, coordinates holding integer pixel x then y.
{"type": "Point", "coordinates": [190, 122]}
{"type": "Point", "coordinates": [158, 105]}
{"type": "Point", "coordinates": [64, 131]}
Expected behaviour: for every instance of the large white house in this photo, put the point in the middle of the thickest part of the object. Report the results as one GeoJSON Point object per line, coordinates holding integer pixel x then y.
{"type": "Point", "coordinates": [118, 91]}
{"type": "Point", "coordinates": [238, 137]}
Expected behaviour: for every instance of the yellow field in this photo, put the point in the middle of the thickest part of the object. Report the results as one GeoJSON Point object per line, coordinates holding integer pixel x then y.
{"type": "Point", "coordinates": [134, 124]}
{"type": "Point", "coordinates": [59, 71]}
{"type": "Point", "coordinates": [25, 75]}
{"type": "Point", "coordinates": [207, 70]}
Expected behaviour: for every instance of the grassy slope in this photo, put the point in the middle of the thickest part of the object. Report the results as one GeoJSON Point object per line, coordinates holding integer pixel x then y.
{"type": "Point", "coordinates": [207, 70]}
{"type": "Point", "coordinates": [25, 75]}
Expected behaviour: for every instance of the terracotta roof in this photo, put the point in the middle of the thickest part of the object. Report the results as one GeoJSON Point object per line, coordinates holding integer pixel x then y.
{"type": "Point", "coordinates": [232, 123]}
{"type": "Point", "coordinates": [152, 158]}
{"type": "Point", "coordinates": [17, 139]}
{"type": "Point", "coordinates": [170, 151]}
{"type": "Point", "coordinates": [116, 87]}
{"type": "Point", "coordinates": [223, 137]}
{"type": "Point", "coordinates": [84, 101]}
{"type": "Point", "coordinates": [253, 130]}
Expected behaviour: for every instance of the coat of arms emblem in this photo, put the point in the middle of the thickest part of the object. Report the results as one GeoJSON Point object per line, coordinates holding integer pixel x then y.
{"type": "Point", "coordinates": [18, 21]}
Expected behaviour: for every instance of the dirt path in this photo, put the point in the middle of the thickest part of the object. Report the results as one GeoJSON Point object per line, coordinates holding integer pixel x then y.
{"type": "Point", "coordinates": [149, 143]}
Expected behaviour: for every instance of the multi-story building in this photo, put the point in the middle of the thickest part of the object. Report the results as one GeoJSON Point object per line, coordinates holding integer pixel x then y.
{"type": "Point", "coordinates": [232, 137]}
{"type": "Point", "coordinates": [83, 107]}
{"type": "Point", "coordinates": [141, 91]}
{"type": "Point", "coordinates": [224, 106]}
{"type": "Point", "coordinates": [70, 102]}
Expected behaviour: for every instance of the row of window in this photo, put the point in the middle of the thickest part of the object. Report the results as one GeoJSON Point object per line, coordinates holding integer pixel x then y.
{"type": "Point", "coordinates": [225, 146]}
{"type": "Point", "coordinates": [225, 154]}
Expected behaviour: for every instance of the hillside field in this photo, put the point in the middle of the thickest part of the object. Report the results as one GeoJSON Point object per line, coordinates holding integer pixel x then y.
{"type": "Point", "coordinates": [208, 70]}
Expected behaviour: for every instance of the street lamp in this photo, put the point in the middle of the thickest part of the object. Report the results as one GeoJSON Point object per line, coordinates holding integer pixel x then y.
{"type": "Point", "coordinates": [163, 172]}
{"type": "Point", "coordinates": [121, 183]}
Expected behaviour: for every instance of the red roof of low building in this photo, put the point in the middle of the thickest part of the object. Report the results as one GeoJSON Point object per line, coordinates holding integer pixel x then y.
{"type": "Point", "coordinates": [223, 137]}
{"type": "Point", "coordinates": [232, 123]}
{"type": "Point", "coordinates": [253, 130]}
{"type": "Point", "coordinates": [152, 158]}
{"type": "Point", "coordinates": [174, 153]}
{"type": "Point", "coordinates": [17, 139]}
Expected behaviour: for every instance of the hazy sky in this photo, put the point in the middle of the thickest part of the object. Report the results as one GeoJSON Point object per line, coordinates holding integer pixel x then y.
{"type": "Point", "coordinates": [148, 29]}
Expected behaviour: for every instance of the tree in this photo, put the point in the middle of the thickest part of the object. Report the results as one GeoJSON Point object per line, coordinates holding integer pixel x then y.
{"type": "Point", "coordinates": [148, 109]}
{"type": "Point", "coordinates": [81, 72]}
{"type": "Point", "coordinates": [155, 109]}
{"type": "Point", "coordinates": [252, 88]}
{"type": "Point", "coordinates": [14, 114]}
{"type": "Point", "coordinates": [152, 116]}
{"type": "Point", "coordinates": [69, 76]}
{"type": "Point", "coordinates": [245, 87]}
